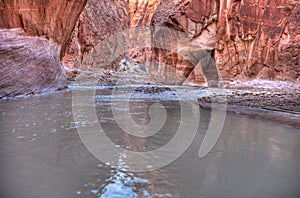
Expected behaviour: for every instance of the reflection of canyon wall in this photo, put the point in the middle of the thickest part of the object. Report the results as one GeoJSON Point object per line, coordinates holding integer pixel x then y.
{"type": "Point", "coordinates": [259, 39]}
{"type": "Point", "coordinates": [33, 37]}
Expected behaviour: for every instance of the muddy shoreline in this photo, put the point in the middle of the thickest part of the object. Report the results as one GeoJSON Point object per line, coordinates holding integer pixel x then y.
{"type": "Point", "coordinates": [267, 100]}
{"type": "Point", "coordinates": [275, 101]}
{"type": "Point", "coordinates": [283, 107]}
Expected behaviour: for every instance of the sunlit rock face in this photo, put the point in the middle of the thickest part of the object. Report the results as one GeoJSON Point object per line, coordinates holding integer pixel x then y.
{"type": "Point", "coordinates": [247, 39]}
{"type": "Point", "coordinates": [252, 39]}
{"type": "Point", "coordinates": [99, 20]}
{"type": "Point", "coordinates": [141, 13]}
{"type": "Point", "coordinates": [259, 39]}
{"type": "Point", "coordinates": [102, 19]}
{"type": "Point", "coordinates": [197, 20]}
{"type": "Point", "coordinates": [34, 36]}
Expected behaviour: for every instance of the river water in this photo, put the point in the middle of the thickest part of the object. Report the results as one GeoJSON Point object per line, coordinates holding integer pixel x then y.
{"type": "Point", "coordinates": [42, 154]}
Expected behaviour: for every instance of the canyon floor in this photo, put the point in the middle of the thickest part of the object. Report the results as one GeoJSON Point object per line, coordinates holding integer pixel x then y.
{"type": "Point", "coordinates": [272, 100]}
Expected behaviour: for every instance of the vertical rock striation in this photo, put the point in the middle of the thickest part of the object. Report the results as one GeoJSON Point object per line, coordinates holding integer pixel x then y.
{"type": "Point", "coordinates": [259, 39]}
{"type": "Point", "coordinates": [197, 20]}
{"type": "Point", "coordinates": [251, 39]}
{"type": "Point", "coordinates": [141, 13]}
{"type": "Point", "coordinates": [99, 20]}
{"type": "Point", "coordinates": [33, 39]}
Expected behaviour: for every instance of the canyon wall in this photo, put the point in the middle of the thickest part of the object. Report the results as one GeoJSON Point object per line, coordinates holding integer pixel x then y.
{"type": "Point", "coordinates": [249, 39]}
{"type": "Point", "coordinates": [259, 39]}
{"type": "Point", "coordinates": [33, 39]}
{"type": "Point", "coordinates": [99, 20]}
{"type": "Point", "coordinates": [197, 20]}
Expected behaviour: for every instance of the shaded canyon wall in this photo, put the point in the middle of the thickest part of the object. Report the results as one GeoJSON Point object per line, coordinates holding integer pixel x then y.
{"type": "Point", "coordinates": [33, 39]}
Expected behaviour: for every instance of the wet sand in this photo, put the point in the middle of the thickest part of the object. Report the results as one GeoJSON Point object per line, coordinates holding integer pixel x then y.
{"type": "Point", "coordinates": [278, 101]}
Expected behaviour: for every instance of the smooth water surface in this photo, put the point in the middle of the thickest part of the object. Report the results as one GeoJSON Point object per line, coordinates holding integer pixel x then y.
{"type": "Point", "coordinates": [42, 155]}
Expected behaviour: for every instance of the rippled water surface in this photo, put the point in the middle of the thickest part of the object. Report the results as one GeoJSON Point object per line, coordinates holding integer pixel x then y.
{"type": "Point", "coordinates": [42, 155]}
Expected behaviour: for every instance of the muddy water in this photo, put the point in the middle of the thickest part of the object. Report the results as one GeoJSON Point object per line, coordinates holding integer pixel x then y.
{"type": "Point", "coordinates": [42, 155]}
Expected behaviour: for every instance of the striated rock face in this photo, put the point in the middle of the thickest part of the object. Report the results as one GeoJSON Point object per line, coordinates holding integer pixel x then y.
{"type": "Point", "coordinates": [52, 19]}
{"type": "Point", "coordinates": [259, 39]}
{"type": "Point", "coordinates": [247, 39]}
{"type": "Point", "coordinates": [28, 64]}
{"type": "Point", "coordinates": [197, 20]}
{"type": "Point", "coordinates": [253, 39]}
{"type": "Point", "coordinates": [141, 12]}
{"type": "Point", "coordinates": [33, 39]}
{"type": "Point", "coordinates": [99, 20]}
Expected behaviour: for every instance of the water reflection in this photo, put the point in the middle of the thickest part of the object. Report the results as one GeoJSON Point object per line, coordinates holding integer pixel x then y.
{"type": "Point", "coordinates": [122, 183]}
{"type": "Point", "coordinates": [42, 155]}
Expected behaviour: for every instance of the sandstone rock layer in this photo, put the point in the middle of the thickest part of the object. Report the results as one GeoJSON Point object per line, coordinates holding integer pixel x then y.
{"type": "Point", "coordinates": [99, 20]}
{"type": "Point", "coordinates": [259, 39]}
{"type": "Point", "coordinates": [28, 64]}
{"type": "Point", "coordinates": [251, 39]}
{"type": "Point", "coordinates": [197, 20]}
{"type": "Point", "coordinates": [33, 39]}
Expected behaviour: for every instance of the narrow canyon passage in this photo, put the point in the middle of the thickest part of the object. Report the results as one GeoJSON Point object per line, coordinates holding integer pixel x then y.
{"type": "Point", "coordinates": [149, 98]}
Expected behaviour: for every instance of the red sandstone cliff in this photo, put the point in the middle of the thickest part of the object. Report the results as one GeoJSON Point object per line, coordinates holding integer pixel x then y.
{"type": "Point", "coordinates": [99, 20]}
{"type": "Point", "coordinates": [33, 38]}
{"type": "Point", "coordinates": [259, 39]}
{"type": "Point", "coordinates": [197, 20]}
{"type": "Point", "coordinates": [253, 39]}
{"type": "Point", "coordinates": [248, 39]}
